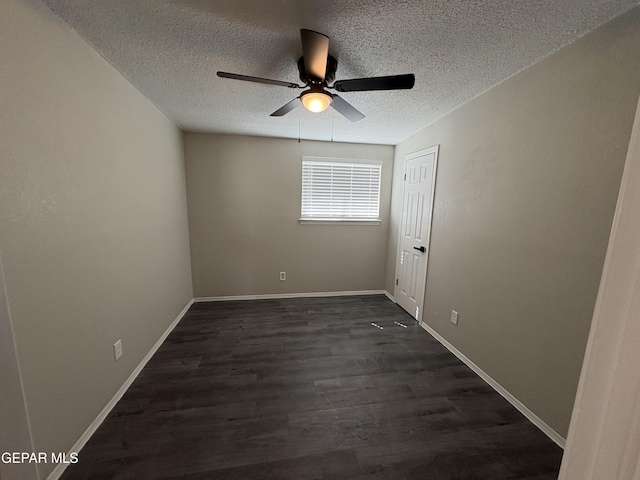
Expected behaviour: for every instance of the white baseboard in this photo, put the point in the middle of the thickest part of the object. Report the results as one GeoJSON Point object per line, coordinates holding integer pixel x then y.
{"type": "Point", "coordinates": [84, 438]}
{"type": "Point", "coordinates": [389, 296]}
{"type": "Point", "coordinates": [288, 295]}
{"type": "Point", "coordinates": [533, 418]}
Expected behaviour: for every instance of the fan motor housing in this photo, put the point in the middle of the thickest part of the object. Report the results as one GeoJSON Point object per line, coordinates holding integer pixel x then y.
{"type": "Point", "coordinates": [330, 75]}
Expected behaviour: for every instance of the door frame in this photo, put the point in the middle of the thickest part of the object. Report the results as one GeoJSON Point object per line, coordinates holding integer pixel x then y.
{"type": "Point", "coordinates": [603, 434]}
{"type": "Point", "coordinates": [14, 418]}
{"type": "Point", "coordinates": [410, 156]}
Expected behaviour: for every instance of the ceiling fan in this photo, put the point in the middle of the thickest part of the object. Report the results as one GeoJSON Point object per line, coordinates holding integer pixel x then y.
{"type": "Point", "coordinates": [317, 70]}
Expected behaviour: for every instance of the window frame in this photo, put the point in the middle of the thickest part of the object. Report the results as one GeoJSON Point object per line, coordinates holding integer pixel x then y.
{"type": "Point", "coordinates": [342, 220]}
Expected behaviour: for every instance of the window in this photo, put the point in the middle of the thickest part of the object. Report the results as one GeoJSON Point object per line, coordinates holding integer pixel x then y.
{"type": "Point", "coordinates": [338, 189]}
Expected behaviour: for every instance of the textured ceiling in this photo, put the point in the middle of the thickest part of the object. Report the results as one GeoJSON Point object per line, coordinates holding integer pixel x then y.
{"type": "Point", "coordinates": [171, 49]}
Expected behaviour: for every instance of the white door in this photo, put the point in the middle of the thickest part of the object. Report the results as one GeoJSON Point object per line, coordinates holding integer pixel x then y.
{"type": "Point", "coordinates": [415, 229]}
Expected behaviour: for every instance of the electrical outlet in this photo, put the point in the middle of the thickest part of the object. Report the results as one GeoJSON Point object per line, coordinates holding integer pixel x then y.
{"type": "Point", "coordinates": [454, 317]}
{"type": "Point", "coordinates": [117, 349]}
{"type": "Point", "coordinates": [283, 276]}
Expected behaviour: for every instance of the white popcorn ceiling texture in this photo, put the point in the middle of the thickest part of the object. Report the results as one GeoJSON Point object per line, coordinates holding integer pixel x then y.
{"type": "Point", "coordinates": [171, 49]}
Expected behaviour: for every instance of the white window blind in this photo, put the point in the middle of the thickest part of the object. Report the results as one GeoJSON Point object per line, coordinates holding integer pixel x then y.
{"type": "Point", "coordinates": [334, 189]}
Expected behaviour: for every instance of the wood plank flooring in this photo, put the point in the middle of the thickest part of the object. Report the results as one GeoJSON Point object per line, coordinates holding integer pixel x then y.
{"type": "Point", "coordinates": [308, 389]}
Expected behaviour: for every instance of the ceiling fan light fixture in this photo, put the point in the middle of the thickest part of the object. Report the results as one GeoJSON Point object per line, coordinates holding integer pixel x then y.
{"type": "Point", "coordinates": [316, 101]}
{"type": "Point", "coordinates": [317, 70]}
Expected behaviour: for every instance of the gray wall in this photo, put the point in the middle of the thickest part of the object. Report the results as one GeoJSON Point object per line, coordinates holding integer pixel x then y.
{"type": "Point", "coordinates": [93, 221]}
{"type": "Point", "coordinates": [244, 206]}
{"type": "Point", "coordinates": [528, 177]}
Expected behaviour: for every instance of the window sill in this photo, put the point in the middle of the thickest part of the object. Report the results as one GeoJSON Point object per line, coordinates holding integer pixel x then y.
{"type": "Point", "coordinates": [340, 221]}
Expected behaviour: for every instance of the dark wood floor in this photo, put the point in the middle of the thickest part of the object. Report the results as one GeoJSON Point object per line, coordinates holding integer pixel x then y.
{"type": "Point", "coordinates": [310, 389]}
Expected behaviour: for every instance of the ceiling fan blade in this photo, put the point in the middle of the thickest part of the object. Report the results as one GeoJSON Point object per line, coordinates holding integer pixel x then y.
{"type": "Point", "coordinates": [315, 50]}
{"type": "Point", "coordinates": [392, 82]}
{"type": "Point", "coordinates": [286, 108]}
{"type": "Point", "coordinates": [246, 78]}
{"type": "Point", "coordinates": [345, 108]}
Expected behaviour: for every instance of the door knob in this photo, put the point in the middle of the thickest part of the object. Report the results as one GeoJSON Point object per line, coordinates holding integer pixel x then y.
{"type": "Point", "coordinates": [422, 249]}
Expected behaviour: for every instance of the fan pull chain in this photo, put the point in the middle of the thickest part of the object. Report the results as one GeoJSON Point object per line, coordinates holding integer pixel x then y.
{"type": "Point", "coordinates": [332, 112]}
{"type": "Point", "coordinates": [298, 125]}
